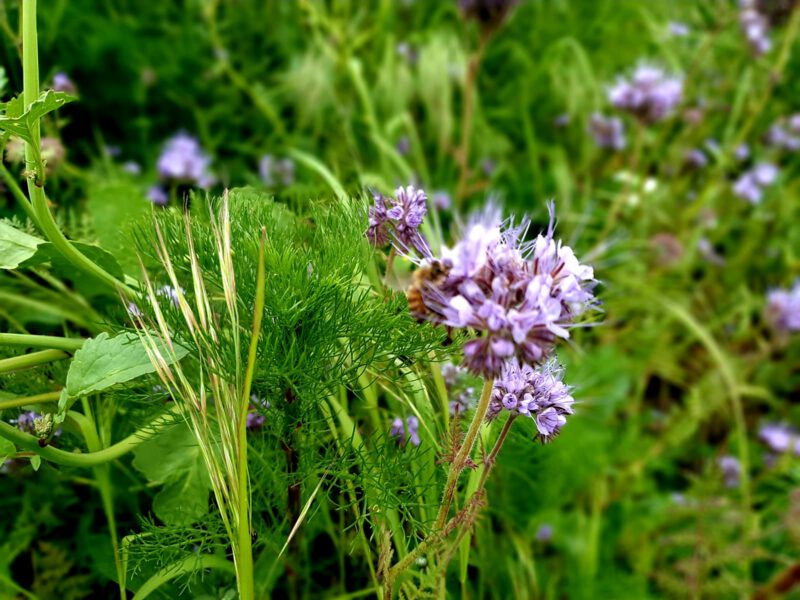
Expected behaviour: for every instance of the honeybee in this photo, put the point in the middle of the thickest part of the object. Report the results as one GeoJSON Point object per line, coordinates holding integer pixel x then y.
{"type": "Point", "coordinates": [432, 273]}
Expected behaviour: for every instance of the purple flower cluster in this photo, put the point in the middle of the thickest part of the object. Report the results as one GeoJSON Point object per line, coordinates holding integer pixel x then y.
{"type": "Point", "coordinates": [785, 134]}
{"type": "Point", "coordinates": [608, 132]}
{"type": "Point", "coordinates": [461, 395]}
{"type": "Point", "coordinates": [731, 470]}
{"type": "Point", "coordinates": [650, 93]}
{"type": "Point", "coordinates": [780, 438]}
{"type": "Point", "coordinates": [62, 83]}
{"type": "Point", "coordinates": [398, 220]}
{"type": "Point", "coordinates": [783, 308]}
{"type": "Point", "coordinates": [273, 170]}
{"type": "Point", "coordinates": [405, 431]}
{"type": "Point", "coordinates": [255, 418]}
{"type": "Point", "coordinates": [536, 393]}
{"type": "Point", "coordinates": [519, 296]}
{"type": "Point", "coordinates": [755, 27]}
{"type": "Point", "coordinates": [750, 185]}
{"type": "Point", "coordinates": [183, 162]}
{"type": "Point", "coordinates": [26, 422]}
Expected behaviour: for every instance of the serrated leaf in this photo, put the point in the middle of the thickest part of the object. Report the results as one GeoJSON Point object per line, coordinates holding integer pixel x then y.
{"type": "Point", "coordinates": [19, 119]}
{"type": "Point", "coordinates": [7, 449]}
{"type": "Point", "coordinates": [174, 459]}
{"type": "Point", "coordinates": [106, 361]}
{"type": "Point", "coordinates": [16, 246]}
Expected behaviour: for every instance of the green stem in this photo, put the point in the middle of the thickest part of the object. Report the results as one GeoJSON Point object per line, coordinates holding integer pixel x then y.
{"type": "Point", "coordinates": [18, 194]}
{"type": "Point", "coordinates": [188, 565]}
{"type": "Point", "coordinates": [41, 341]}
{"type": "Point", "coordinates": [461, 457]}
{"type": "Point", "coordinates": [492, 458]}
{"type": "Point", "coordinates": [33, 160]}
{"type": "Point", "coordinates": [102, 474]}
{"type": "Point", "coordinates": [91, 459]}
{"type": "Point", "coordinates": [38, 399]}
{"type": "Point", "coordinates": [244, 564]}
{"type": "Point", "coordinates": [34, 359]}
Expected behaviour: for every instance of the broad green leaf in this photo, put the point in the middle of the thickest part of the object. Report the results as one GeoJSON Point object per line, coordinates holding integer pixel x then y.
{"type": "Point", "coordinates": [19, 119]}
{"type": "Point", "coordinates": [16, 246]}
{"type": "Point", "coordinates": [173, 459]}
{"type": "Point", "coordinates": [7, 449]}
{"type": "Point", "coordinates": [106, 361]}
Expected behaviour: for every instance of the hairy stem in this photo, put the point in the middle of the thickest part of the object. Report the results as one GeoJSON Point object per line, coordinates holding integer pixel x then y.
{"type": "Point", "coordinates": [461, 457]}
{"type": "Point", "coordinates": [492, 458]}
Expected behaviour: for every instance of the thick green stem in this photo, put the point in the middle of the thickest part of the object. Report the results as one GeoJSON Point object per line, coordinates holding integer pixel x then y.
{"type": "Point", "coordinates": [460, 460]}
{"type": "Point", "coordinates": [33, 160]}
{"type": "Point", "coordinates": [91, 459]}
{"type": "Point", "coordinates": [41, 341]}
{"type": "Point", "coordinates": [102, 475]}
{"type": "Point", "coordinates": [28, 361]}
{"type": "Point", "coordinates": [37, 399]}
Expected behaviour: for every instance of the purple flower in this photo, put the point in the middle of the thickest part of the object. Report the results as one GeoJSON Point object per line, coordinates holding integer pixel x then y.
{"type": "Point", "coordinates": [62, 83]}
{"type": "Point", "coordinates": [544, 533]}
{"type": "Point", "coordinates": [273, 170]}
{"type": "Point", "coordinates": [405, 431]}
{"type": "Point", "coordinates": [442, 200]}
{"type": "Point", "coordinates": [536, 393]}
{"type": "Point", "coordinates": [696, 159]}
{"type": "Point", "coordinates": [519, 296]}
{"type": "Point", "coordinates": [403, 146]}
{"type": "Point", "coordinates": [157, 195]}
{"type": "Point", "coordinates": [650, 93]}
{"type": "Point", "coordinates": [399, 219]}
{"type": "Point", "coordinates": [407, 52]}
{"type": "Point", "coordinates": [755, 27]}
{"type": "Point", "coordinates": [608, 132]}
{"type": "Point", "coordinates": [784, 134]}
{"type": "Point", "coordinates": [134, 311]}
{"type": "Point", "coordinates": [132, 167]}
{"type": "Point", "coordinates": [750, 185]}
{"type": "Point", "coordinates": [183, 161]}
{"type": "Point", "coordinates": [26, 422]}
{"type": "Point", "coordinates": [677, 29]}
{"type": "Point", "coordinates": [731, 470]}
{"type": "Point", "coordinates": [783, 308]}
{"type": "Point", "coordinates": [255, 419]}
{"type": "Point", "coordinates": [742, 152]}
{"type": "Point", "coordinates": [167, 291]}
{"type": "Point", "coordinates": [780, 438]}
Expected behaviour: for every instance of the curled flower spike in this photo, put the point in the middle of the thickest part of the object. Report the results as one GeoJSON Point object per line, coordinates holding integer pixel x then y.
{"type": "Point", "coordinates": [398, 220]}
{"type": "Point", "coordinates": [650, 93]}
{"type": "Point", "coordinates": [405, 431]}
{"type": "Point", "coordinates": [519, 296]}
{"type": "Point", "coordinates": [536, 393]}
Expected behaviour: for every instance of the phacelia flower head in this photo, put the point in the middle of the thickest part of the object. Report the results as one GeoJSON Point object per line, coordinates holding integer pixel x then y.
{"type": "Point", "coordinates": [750, 185]}
{"type": "Point", "coordinates": [273, 170]}
{"type": "Point", "coordinates": [62, 83]}
{"type": "Point", "coordinates": [405, 431]}
{"type": "Point", "coordinates": [650, 93]}
{"type": "Point", "coordinates": [538, 393]}
{"type": "Point", "coordinates": [785, 134]}
{"type": "Point", "coordinates": [183, 161]}
{"type": "Point", "coordinates": [731, 470]}
{"type": "Point", "coordinates": [783, 308]}
{"type": "Point", "coordinates": [780, 438]}
{"type": "Point", "coordinates": [608, 132]}
{"type": "Point", "coordinates": [398, 220]}
{"type": "Point", "coordinates": [755, 27]}
{"type": "Point", "coordinates": [26, 421]}
{"type": "Point", "coordinates": [519, 296]}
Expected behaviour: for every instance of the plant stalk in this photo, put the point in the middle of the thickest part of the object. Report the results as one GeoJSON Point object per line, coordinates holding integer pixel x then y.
{"type": "Point", "coordinates": [33, 359]}
{"type": "Point", "coordinates": [461, 457]}
{"type": "Point", "coordinates": [41, 341]}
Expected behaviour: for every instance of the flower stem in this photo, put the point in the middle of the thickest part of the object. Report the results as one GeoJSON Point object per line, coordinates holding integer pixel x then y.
{"type": "Point", "coordinates": [461, 457]}
{"type": "Point", "coordinates": [244, 564]}
{"type": "Point", "coordinates": [38, 399]}
{"type": "Point", "coordinates": [41, 341]}
{"type": "Point", "coordinates": [492, 458]}
{"type": "Point", "coordinates": [33, 160]}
